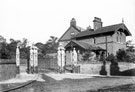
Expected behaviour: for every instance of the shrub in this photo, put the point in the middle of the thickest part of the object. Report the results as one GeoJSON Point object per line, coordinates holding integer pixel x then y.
{"type": "Point", "coordinates": [88, 56]}
{"type": "Point", "coordinates": [121, 54]}
{"type": "Point", "coordinates": [130, 57]}
{"type": "Point", "coordinates": [125, 56]}
{"type": "Point", "coordinates": [110, 58]}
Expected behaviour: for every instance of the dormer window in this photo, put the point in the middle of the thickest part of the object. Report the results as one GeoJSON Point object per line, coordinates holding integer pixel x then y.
{"type": "Point", "coordinates": [121, 37]}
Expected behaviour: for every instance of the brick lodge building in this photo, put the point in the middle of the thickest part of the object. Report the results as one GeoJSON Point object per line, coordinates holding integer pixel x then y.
{"type": "Point", "coordinates": [108, 38]}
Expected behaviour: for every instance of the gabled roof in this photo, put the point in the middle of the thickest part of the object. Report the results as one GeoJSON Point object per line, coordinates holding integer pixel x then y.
{"type": "Point", "coordinates": [80, 28]}
{"type": "Point", "coordinates": [106, 29]}
{"type": "Point", "coordinates": [77, 28]}
{"type": "Point", "coordinates": [83, 45]}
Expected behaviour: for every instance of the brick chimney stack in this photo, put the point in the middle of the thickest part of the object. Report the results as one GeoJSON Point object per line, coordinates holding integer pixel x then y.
{"type": "Point", "coordinates": [73, 22]}
{"type": "Point", "coordinates": [97, 23]}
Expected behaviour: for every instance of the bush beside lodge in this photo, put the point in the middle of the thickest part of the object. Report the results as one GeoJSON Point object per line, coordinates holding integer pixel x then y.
{"type": "Point", "coordinates": [7, 69]}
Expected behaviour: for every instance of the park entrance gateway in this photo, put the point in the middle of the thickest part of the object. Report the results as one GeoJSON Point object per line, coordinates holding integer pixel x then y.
{"type": "Point", "coordinates": [32, 63]}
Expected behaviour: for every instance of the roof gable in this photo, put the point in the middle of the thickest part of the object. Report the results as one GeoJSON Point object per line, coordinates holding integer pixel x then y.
{"type": "Point", "coordinates": [106, 29]}
{"type": "Point", "coordinates": [67, 35]}
{"type": "Point", "coordinates": [125, 30]}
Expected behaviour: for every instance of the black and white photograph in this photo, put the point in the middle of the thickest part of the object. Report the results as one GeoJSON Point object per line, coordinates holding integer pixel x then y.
{"type": "Point", "coordinates": [67, 45]}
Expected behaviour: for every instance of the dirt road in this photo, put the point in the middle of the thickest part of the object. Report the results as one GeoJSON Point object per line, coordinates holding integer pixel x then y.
{"type": "Point", "coordinates": [76, 85]}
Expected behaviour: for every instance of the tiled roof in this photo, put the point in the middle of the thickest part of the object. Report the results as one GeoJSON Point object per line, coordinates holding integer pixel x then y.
{"type": "Point", "coordinates": [84, 45]}
{"type": "Point", "coordinates": [105, 29]}
{"type": "Point", "coordinates": [77, 28]}
{"type": "Point", "coordinates": [80, 28]}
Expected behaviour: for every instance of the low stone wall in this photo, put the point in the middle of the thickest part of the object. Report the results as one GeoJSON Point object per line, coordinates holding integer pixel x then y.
{"type": "Point", "coordinates": [7, 69]}
{"type": "Point", "coordinates": [93, 68]}
{"type": "Point", "coordinates": [96, 68]}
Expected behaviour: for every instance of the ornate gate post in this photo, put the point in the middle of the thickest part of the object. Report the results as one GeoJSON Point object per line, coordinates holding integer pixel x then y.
{"type": "Point", "coordinates": [17, 59]}
{"type": "Point", "coordinates": [31, 59]}
{"type": "Point", "coordinates": [61, 58]}
{"type": "Point", "coordinates": [35, 50]}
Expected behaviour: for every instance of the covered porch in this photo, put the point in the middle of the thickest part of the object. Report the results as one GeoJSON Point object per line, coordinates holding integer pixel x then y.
{"type": "Point", "coordinates": [82, 48]}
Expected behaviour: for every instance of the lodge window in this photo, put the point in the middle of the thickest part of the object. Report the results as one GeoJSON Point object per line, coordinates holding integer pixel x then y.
{"type": "Point", "coordinates": [121, 37]}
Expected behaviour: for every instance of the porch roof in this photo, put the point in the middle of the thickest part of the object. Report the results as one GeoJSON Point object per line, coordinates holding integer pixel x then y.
{"type": "Point", "coordinates": [83, 45]}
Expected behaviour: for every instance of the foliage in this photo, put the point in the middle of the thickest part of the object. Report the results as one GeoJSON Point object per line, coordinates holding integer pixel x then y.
{"type": "Point", "coordinates": [87, 55]}
{"type": "Point", "coordinates": [111, 58]}
{"type": "Point", "coordinates": [129, 43]}
{"type": "Point", "coordinates": [24, 43]}
{"type": "Point", "coordinates": [130, 51]}
{"type": "Point", "coordinates": [41, 49]}
{"type": "Point", "coordinates": [52, 44]}
{"type": "Point", "coordinates": [114, 68]}
{"type": "Point", "coordinates": [2, 39]}
{"type": "Point", "coordinates": [102, 57]}
{"type": "Point", "coordinates": [49, 47]}
{"type": "Point", "coordinates": [121, 55]}
{"type": "Point", "coordinates": [24, 49]}
{"type": "Point", "coordinates": [24, 53]}
{"type": "Point", "coordinates": [125, 56]}
{"type": "Point", "coordinates": [8, 50]}
{"type": "Point", "coordinates": [131, 57]}
{"type": "Point", "coordinates": [4, 52]}
{"type": "Point", "coordinates": [52, 40]}
{"type": "Point", "coordinates": [12, 47]}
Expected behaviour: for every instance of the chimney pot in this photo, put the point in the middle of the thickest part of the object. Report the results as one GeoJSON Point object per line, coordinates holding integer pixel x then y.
{"type": "Point", "coordinates": [73, 22]}
{"type": "Point", "coordinates": [89, 27]}
{"type": "Point", "coordinates": [97, 23]}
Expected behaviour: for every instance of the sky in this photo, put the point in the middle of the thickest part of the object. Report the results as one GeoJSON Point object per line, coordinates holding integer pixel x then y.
{"type": "Point", "coordinates": [37, 20]}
